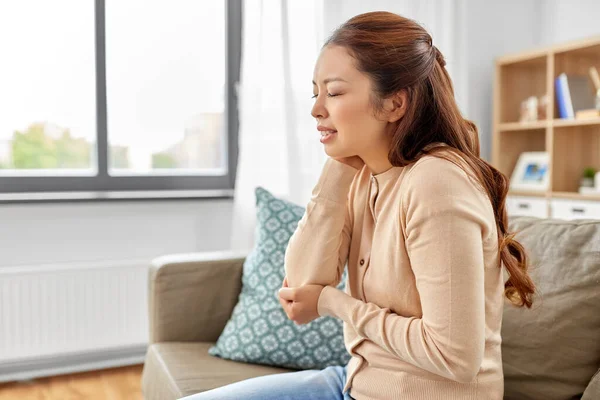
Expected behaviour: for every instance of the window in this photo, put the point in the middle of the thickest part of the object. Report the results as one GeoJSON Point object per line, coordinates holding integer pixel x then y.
{"type": "Point", "coordinates": [118, 96]}
{"type": "Point", "coordinates": [48, 123]}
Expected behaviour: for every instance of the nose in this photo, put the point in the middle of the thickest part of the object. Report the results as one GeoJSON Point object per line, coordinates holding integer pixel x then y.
{"type": "Point", "coordinates": [319, 110]}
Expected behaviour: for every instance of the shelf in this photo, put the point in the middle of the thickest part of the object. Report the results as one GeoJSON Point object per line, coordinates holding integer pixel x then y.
{"type": "Point", "coordinates": [522, 126]}
{"type": "Point", "coordinates": [572, 144]}
{"type": "Point", "coordinates": [555, 195]}
{"type": "Point", "coordinates": [526, 193]}
{"type": "Point", "coordinates": [557, 123]}
{"type": "Point", "coordinates": [517, 82]}
{"type": "Point", "coordinates": [576, 46]}
{"type": "Point", "coordinates": [574, 196]}
{"type": "Point", "coordinates": [534, 57]}
{"type": "Point", "coordinates": [509, 147]}
{"type": "Point", "coordinates": [575, 149]}
{"type": "Point", "coordinates": [575, 122]}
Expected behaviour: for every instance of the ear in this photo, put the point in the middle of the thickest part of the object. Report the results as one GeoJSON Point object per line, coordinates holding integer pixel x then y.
{"type": "Point", "coordinates": [396, 105]}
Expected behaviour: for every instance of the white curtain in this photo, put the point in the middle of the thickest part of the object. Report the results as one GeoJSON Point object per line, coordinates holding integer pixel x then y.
{"type": "Point", "coordinates": [279, 146]}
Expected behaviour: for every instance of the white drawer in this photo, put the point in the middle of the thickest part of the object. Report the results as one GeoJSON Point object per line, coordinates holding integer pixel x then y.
{"type": "Point", "coordinates": [575, 209]}
{"type": "Point", "coordinates": [523, 206]}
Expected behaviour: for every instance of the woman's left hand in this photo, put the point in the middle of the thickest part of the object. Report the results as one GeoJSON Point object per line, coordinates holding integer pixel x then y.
{"type": "Point", "coordinates": [300, 304]}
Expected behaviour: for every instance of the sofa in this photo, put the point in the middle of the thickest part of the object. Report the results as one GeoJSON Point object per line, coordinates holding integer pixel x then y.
{"type": "Point", "coordinates": [549, 352]}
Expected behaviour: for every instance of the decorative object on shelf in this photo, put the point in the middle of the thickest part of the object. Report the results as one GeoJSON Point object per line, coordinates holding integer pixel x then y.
{"type": "Point", "coordinates": [587, 180]}
{"type": "Point", "coordinates": [542, 107]}
{"type": "Point", "coordinates": [590, 181]}
{"type": "Point", "coordinates": [587, 114]}
{"type": "Point", "coordinates": [529, 109]}
{"type": "Point", "coordinates": [592, 112]}
{"type": "Point", "coordinates": [596, 80]}
{"type": "Point", "coordinates": [533, 108]}
{"type": "Point", "coordinates": [573, 93]}
{"type": "Point", "coordinates": [531, 172]}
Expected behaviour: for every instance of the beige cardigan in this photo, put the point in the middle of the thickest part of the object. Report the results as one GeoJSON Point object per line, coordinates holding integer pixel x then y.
{"type": "Point", "coordinates": [422, 308]}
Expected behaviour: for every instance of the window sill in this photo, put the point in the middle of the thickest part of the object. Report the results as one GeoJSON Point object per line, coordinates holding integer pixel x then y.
{"type": "Point", "coordinates": [38, 197]}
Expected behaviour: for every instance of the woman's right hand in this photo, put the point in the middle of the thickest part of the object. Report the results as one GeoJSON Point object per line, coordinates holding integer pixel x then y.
{"type": "Point", "coordinates": [353, 161]}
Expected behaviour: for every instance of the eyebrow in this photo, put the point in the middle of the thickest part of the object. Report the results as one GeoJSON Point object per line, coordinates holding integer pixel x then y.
{"type": "Point", "coordinates": [332, 79]}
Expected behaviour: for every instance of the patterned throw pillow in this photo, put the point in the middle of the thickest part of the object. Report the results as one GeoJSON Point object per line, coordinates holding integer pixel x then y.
{"type": "Point", "coordinates": [259, 330]}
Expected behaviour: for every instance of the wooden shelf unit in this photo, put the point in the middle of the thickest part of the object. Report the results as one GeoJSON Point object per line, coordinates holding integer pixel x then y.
{"type": "Point", "coordinates": [572, 144]}
{"type": "Point", "coordinates": [526, 193]}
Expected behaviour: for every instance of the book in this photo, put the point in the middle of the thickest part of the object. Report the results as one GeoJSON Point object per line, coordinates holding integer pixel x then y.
{"type": "Point", "coordinates": [587, 114]}
{"type": "Point", "coordinates": [562, 91]}
{"type": "Point", "coordinates": [573, 93]}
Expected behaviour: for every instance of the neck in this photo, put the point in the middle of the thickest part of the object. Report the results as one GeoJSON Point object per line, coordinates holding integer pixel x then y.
{"type": "Point", "coordinates": [376, 157]}
{"type": "Point", "coordinates": [377, 163]}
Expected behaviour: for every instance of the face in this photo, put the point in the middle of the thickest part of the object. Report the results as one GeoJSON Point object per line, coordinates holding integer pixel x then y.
{"type": "Point", "coordinates": [343, 105]}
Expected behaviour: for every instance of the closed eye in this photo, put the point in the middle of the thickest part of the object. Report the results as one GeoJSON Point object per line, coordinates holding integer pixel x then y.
{"type": "Point", "coordinates": [328, 95]}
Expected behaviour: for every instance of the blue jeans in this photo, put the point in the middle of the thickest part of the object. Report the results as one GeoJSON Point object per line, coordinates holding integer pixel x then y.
{"type": "Point", "coordinates": [325, 384]}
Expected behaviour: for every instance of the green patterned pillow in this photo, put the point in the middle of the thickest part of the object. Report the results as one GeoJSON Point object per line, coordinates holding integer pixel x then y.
{"type": "Point", "coordinates": [259, 330]}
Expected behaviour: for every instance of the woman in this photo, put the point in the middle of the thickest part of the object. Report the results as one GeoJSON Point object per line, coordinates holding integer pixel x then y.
{"type": "Point", "coordinates": [418, 218]}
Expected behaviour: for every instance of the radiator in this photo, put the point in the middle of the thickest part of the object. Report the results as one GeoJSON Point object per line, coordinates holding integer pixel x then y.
{"type": "Point", "coordinates": [66, 318]}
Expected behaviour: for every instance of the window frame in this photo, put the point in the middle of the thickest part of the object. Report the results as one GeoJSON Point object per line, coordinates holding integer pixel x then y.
{"type": "Point", "coordinates": [102, 184]}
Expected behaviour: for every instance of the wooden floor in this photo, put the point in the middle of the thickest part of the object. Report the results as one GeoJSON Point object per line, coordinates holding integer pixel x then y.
{"type": "Point", "coordinates": [109, 384]}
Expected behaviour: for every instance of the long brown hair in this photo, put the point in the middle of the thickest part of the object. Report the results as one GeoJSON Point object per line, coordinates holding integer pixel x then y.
{"type": "Point", "coordinates": [398, 54]}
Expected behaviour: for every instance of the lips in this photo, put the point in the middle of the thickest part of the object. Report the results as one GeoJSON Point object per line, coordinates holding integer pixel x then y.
{"type": "Point", "coordinates": [327, 136]}
{"type": "Point", "coordinates": [326, 133]}
{"type": "Point", "coordinates": [325, 129]}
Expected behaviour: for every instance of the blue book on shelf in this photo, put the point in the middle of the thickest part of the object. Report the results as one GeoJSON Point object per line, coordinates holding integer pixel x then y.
{"type": "Point", "coordinates": [563, 97]}
{"type": "Point", "coordinates": [573, 93]}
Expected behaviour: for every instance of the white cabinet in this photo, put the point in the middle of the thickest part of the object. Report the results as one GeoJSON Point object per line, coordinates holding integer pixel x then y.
{"type": "Point", "coordinates": [527, 206]}
{"type": "Point", "coordinates": [575, 209]}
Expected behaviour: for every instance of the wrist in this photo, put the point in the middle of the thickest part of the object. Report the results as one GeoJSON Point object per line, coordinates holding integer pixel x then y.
{"type": "Point", "coordinates": [322, 302]}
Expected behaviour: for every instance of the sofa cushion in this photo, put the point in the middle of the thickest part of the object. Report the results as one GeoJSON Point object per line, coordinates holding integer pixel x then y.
{"type": "Point", "coordinates": [259, 330]}
{"type": "Point", "coordinates": [176, 369]}
{"type": "Point", "coordinates": [553, 350]}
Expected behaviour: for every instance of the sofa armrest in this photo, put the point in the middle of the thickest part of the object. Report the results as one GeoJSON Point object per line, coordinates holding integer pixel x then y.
{"type": "Point", "coordinates": [191, 296]}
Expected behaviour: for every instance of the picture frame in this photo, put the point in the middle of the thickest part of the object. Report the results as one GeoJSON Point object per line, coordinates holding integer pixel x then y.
{"type": "Point", "coordinates": [531, 172]}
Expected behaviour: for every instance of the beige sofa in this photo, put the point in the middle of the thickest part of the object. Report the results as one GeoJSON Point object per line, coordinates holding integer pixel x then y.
{"type": "Point", "coordinates": [191, 297]}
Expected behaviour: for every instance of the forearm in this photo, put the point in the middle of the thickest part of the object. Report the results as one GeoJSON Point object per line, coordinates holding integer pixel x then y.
{"type": "Point", "coordinates": [409, 338]}
{"type": "Point", "coordinates": [318, 249]}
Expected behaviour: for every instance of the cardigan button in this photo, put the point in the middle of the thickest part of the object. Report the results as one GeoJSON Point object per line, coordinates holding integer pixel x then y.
{"type": "Point", "coordinates": [362, 262]}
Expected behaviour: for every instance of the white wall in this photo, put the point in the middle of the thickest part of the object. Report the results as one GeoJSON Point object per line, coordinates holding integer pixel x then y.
{"type": "Point", "coordinates": [51, 233]}
{"type": "Point", "coordinates": [494, 29]}
{"type": "Point", "coordinates": [565, 20]}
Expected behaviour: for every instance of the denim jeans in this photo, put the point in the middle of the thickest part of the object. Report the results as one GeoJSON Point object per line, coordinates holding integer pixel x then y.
{"type": "Point", "coordinates": [325, 384]}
